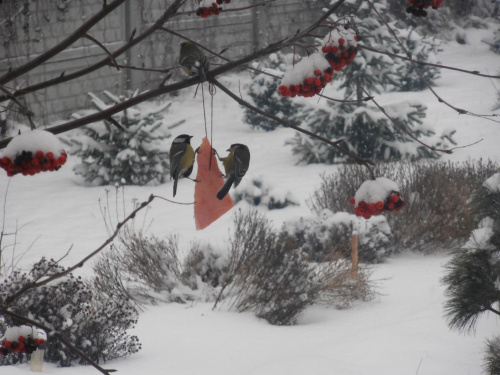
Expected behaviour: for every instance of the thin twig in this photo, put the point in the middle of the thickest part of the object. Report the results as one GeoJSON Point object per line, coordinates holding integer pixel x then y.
{"type": "Point", "coordinates": [473, 72]}
{"type": "Point", "coordinates": [92, 39]}
{"type": "Point", "coordinates": [58, 275]}
{"type": "Point", "coordinates": [460, 111]}
{"type": "Point", "coordinates": [402, 127]}
{"type": "Point", "coordinates": [225, 10]}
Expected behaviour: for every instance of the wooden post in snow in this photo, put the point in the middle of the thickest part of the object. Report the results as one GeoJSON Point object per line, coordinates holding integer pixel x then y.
{"type": "Point", "coordinates": [354, 254]}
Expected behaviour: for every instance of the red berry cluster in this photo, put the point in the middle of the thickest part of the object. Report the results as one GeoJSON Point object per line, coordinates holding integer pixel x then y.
{"type": "Point", "coordinates": [30, 163]}
{"type": "Point", "coordinates": [22, 345]}
{"type": "Point", "coordinates": [392, 203]}
{"type": "Point", "coordinates": [310, 86]}
{"type": "Point", "coordinates": [341, 55]}
{"type": "Point", "coordinates": [417, 6]}
{"type": "Point", "coordinates": [213, 10]}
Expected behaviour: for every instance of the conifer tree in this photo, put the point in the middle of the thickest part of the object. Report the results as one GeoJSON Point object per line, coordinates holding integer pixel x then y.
{"type": "Point", "coordinates": [136, 154]}
{"type": "Point", "coordinates": [473, 273]}
{"type": "Point", "coordinates": [362, 126]}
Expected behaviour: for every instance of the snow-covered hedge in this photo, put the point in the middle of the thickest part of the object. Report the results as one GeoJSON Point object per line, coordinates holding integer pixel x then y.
{"type": "Point", "coordinates": [328, 235]}
{"type": "Point", "coordinates": [259, 192]}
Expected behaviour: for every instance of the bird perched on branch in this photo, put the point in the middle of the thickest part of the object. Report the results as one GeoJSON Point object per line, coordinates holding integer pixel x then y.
{"type": "Point", "coordinates": [235, 165]}
{"type": "Point", "coordinates": [193, 61]}
{"type": "Point", "coordinates": [181, 158]}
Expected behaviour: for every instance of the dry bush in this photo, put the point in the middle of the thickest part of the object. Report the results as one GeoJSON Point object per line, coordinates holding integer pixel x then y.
{"type": "Point", "coordinates": [143, 269]}
{"type": "Point", "coordinates": [271, 276]}
{"type": "Point", "coordinates": [436, 213]}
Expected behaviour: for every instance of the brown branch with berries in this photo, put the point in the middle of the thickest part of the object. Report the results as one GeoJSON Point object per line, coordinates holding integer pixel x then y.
{"type": "Point", "coordinates": [164, 89]}
{"type": "Point", "coordinates": [366, 162]}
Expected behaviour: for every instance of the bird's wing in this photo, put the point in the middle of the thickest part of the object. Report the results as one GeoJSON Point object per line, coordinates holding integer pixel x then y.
{"type": "Point", "coordinates": [192, 61]}
{"type": "Point", "coordinates": [175, 160]}
{"type": "Point", "coordinates": [239, 169]}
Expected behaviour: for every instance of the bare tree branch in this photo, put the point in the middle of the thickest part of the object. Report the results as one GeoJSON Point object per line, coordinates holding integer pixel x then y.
{"type": "Point", "coordinates": [473, 72]}
{"type": "Point", "coordinates": [460, 111]}
{"type": "Point", "coordinates": [367, 163]}
{"type": "Point", "coordinates": [169, 12]}
{"type": "Point", "coordinates": [77, 34]}
{"type": "Point", "coordinates": [163, 89]}
{"type": "Point", "coordinates": [58, 275]}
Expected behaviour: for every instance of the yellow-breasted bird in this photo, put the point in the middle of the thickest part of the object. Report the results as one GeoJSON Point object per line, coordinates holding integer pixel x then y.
{"type": "Point", "coordinates": [193, 61]}
{"type": "Point", "coordinates": [181, 158]}
{"type": "Point", "coordinates": [235, 165]}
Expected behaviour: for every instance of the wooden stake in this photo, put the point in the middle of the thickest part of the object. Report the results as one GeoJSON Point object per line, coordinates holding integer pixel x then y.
{"type": "Point", "coordinates": [354, 255]}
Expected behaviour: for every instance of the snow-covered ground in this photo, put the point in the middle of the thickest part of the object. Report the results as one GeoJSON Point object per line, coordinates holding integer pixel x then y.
{"type": "Point", "coordinates": [402, 331]}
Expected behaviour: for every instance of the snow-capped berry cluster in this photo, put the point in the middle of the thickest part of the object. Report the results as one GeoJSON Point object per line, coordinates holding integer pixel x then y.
{"type": "Point", "coordinates": [213, 9]}
{"type": "Point", "coordinates": [417, 6]}
{"type": "Point", "coordinates": [375, 197]}
{"type": "Point", "coordinates": [307, 78]}
{"type": "Point", "coordinates": [23, 339]}
{"type": "Point", "coordinates": [340, 46]}
{"type": "Point", "coordinates": [33, 152]}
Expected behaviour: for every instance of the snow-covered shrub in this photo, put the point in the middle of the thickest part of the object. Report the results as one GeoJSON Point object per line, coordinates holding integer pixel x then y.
{"type": "Point", "coordinates": [137, 155]}
{"type": "Point", "coordinates": [263, 91]}
{"type": "Point", "coordinates": [328, 236]}
{"type": "Point", "coordinates": [205, 265]}
{"type": "Point", "coordinates": [95, 323]}
{"type": "Point", "coordinates": [435, 215]}
{"type": "Point", "coordinates": [259, 192]}
{"type": "Point", "coordinates": [141, 268]}
{"type": "Point", "coordinates": [270, 275]}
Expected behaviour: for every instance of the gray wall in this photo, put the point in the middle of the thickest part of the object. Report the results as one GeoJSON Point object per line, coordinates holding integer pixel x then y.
{"type": "Point", "coordinates": [29, 27]}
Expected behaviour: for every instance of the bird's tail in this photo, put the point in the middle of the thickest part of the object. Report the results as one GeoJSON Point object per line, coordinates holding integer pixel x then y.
{"type": "Point", "coordinates": [224, 190]}
{"type": "Point", "coordinates": [201, 73]}
{"type": "Point", "coordinates": [175, 185]}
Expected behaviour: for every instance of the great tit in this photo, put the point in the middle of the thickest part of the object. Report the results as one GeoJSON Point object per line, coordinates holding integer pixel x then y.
{"type": "Point", "coordinates": [235, 165]}
{"type": "Point", "coordinates": [193, 61]}
{"type": "Point", "coordinates": [181, 158]}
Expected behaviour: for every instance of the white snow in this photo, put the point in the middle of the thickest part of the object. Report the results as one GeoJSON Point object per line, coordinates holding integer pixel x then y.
{"type": "Point", "coordinates": [373, 191]}
{"type": "Point", "coordinates": [305, 68]}
{"type": "Point", "coordinates": [493, 183]}
{"type": "Point", "coordinates": [402, 331]}
{"type": "Point", "coordinates": [13, 333]}
{"type": "Point", "coordinates": [33, 141]}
